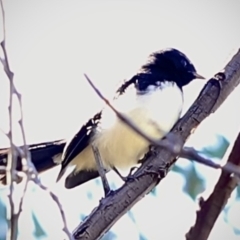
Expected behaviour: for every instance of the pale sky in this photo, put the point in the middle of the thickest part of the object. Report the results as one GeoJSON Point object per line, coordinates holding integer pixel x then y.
{"type": "Point", "coordinates": [52, 43]}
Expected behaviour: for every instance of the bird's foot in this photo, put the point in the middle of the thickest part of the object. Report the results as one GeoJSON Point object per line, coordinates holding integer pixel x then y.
{"type": "Point", "coordinates": [161, 173]}
{"type": "Point", "coordinates": [108, 192]}
{"type": "Point", "coordinates": [128, 177]}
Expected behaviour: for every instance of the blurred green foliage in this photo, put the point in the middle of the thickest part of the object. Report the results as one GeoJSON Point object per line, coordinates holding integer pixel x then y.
{"type": "Point", "coordinates": [238, 192]}
{"type": "Point", "coordinates": [131, 216]}
{"type": "Point", "coordinates": [3, 222]}
{"type": "Point", "coordinates": [38, 230]}
{"type": "Point", "coordinates": [109, 236]}
{"type": "Point", "coordinates": [218, 150]}
{"type": "Point", "coordinates": [194, 180]}
{"type": "Point", "coordinates": [141, 237]}
{"type": "Point", "coordinates": [194, 184]}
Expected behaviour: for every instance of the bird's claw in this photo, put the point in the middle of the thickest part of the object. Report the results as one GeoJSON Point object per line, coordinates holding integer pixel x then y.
{"type": "Point", "coordinates": [129, 177]}
{"type": "Point", "coordinates": [160, 174]}
{"type": "Point", "coordinates": [108, 192]}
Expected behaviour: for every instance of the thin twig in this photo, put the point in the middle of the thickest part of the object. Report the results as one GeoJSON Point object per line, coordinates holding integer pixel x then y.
{"type": "Point", "coordinates": [12, 158]}
{"type": "Point", "coordinates": [101, 169]}
{"type": "Point", "coordinates": [192, 154]}
{"type": "Point", "coordinates": [54, 197]}
{"type": "Point", "coordinates": [27, 166]}
{"type": "Point", "coordinates": [19, 174]}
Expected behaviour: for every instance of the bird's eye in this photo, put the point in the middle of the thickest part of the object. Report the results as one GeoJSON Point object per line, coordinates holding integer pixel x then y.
{"type": "Point", "coordinates": [184, 63]}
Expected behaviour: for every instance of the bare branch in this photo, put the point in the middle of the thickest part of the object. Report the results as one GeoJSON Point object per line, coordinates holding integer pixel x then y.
{"type": "Point", "coordinates": [212, 207]}
{"type": "Point", "coordinates": [101, 169]}
{"type": "Point", "coordinates": [27, 166]}
{"type": "Point", "coordinates": [33, 176]}
{"type": "Point", "coordinates": [158, 160]}
{"type": "Point", "coordinates": [54, 197]}
{"type": "Point", "coordinates": [192, 154]}
{"type": "Point", "coordinates": [11, 163]}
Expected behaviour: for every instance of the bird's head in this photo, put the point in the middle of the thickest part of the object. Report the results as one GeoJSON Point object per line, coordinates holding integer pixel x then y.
{"type": "Point", "coordinates": [168, 65]}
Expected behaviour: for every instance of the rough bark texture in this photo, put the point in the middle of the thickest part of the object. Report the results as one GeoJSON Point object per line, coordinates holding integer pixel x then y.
{"type": "Point", "coordinates": [212, 207]}
{"type": "Point", "coordinates": [159, 161]}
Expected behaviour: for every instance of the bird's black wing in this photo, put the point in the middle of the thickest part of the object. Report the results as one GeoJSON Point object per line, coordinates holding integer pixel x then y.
{"type": "Point", "coordinates": [79, 142]}
{"type": "Point", "coordinates": [75, 179]}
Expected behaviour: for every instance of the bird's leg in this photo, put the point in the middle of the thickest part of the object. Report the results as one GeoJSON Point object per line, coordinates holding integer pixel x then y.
{"type": "Point", "coordinates": [160, 173]}
{"type": "Point", "coordinates": [119, 174]}
{"type": "Point", "coordinates": [128, 177]}
{"type": "Point", "coordinates": [101, 170]}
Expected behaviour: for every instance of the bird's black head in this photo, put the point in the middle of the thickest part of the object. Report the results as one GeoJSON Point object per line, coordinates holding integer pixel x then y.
{"type": "Point", "coordinates": [166, 65]}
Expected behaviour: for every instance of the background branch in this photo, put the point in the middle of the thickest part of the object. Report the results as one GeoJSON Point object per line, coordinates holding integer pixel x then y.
{"type": "Point", "coordinates": [159, 161]}
{"type": "Point", "coordinates": [23, 153]}
{"type": "Point", "coordinates": [212, 207]}
{"type": "Point", "coordinates": [12, 213]}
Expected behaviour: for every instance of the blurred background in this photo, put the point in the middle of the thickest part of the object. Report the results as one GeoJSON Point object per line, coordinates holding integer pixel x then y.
{"type": "Point", "coordinates": [52, 43]}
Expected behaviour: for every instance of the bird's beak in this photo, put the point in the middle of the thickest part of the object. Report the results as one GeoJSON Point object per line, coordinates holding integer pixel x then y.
{"type": "Point", "coordinates": [196, 75]}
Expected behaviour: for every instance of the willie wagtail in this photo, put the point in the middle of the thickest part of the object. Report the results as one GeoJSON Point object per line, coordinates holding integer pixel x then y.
{"type": "Point", "coordinates": [152, 99]}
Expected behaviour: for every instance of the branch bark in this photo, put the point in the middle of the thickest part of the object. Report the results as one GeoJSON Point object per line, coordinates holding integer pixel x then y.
{"type": "Point", "coordinates": [159, 161]}
{"type": "Point", "coordinates": [212, 207]}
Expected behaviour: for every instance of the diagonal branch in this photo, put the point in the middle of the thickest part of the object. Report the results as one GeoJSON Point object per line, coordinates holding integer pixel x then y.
{"type": "Point", "coordinates": [159, 161]}
{"type": "Point", "coordinates": [172, 142]}
{"type": "Point", "coordinates": [212, 207]}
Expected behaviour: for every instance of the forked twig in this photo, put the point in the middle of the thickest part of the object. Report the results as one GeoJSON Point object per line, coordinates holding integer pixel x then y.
{"type": "Point", "coordinates": [27, 167]}
{"type": "Point", "coordinates": [54, 197]}
{"type": "Point", "coordinates": [101, 169]}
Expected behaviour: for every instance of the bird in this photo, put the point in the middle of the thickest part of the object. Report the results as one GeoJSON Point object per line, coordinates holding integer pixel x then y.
{"type": "Point", "coordinates": [152, 99]}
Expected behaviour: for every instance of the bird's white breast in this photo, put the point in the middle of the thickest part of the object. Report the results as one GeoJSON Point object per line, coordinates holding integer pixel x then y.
{"type": "Point", "coordinates": [155, 112]}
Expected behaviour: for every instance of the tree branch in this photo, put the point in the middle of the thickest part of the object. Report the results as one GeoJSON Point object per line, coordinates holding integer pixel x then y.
{"type": "Point", "coordinates": [101, 169]}
{"type": "Point", "coordinates": [159, 161]}
{"type": "Point", "coordinates": [212, 207]}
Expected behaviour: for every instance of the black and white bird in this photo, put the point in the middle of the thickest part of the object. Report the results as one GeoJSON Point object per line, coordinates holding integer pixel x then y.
{"type": "Point", "coordinates": [152, 99]}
